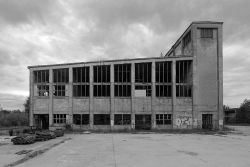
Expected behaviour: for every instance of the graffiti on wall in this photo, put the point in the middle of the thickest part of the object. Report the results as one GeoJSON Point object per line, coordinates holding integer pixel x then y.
{"type": "Point", "coordinates": [183, 120]}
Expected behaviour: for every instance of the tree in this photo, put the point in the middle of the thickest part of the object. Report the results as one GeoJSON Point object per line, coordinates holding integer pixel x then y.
{"type": "Point", "coordinates": [27, 105]}
{"type": "Point", "coordinates": [243, 114]}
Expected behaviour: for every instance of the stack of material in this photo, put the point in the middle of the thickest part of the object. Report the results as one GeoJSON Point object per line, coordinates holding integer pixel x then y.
{"type": "Point", "coordinates": [24, 139]}
{"type": "Point", "coordinates": [41, 136]}
{"type": "Point", "coordinates": [53, 135]}
{"type": "Point", "coordinates": [59, 132]}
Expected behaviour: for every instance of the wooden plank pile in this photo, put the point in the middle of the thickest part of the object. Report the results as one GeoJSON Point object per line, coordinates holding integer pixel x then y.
{"type": "Point", "coordinates": [24, 139]}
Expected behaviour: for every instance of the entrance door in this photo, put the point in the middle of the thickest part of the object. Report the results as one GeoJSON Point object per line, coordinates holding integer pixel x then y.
{"type": "Point", "coordinates": [143, 122]}
{"type": "Point", "coordinates": [207, 121]}
{"type": "Point", "coordinates": [42, 120]}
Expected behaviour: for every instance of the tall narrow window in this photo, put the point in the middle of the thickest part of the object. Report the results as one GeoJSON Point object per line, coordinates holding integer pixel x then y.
{"type": "Point", "coordinates": [143, 79]}
{"type": "Point", "coordinates": [187, 39]}
{"type": "Point", "coordinates": [41, 83]}
{"type": "Point", "coordinates": [163, 79]}
{"type": "Point", "coordinates": [81, 82]}
{"type": "Point", "coordinates": [61, 81]}
{"type": "Point", "coordinates": [183, 79]}
{"type": "Point", "coordinates": [102, 81]}
{"type": "Point", "coordinates": [122, 74]}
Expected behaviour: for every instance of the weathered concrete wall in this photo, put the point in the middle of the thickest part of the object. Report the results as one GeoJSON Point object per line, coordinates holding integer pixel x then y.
{"type": "Point", "coordinates": [61, 106]}
{"type": "Point", "coordinates": [122, 127]}
{"type": "Point", "coordinates": [184, 104]}
{"type": "Point", "coordinates": [178, 50]}
{"type": "Point", "coordinates": [101, 105]}
{"type": "Point", "coordinates": [143, 105]}
{"type": "Point", "coordinates": [163, 104]}
{"type": "Point", "coordinates": [207, 81]}
{"type": "Point", "coordinates": [80, 127]}
{"type": "Point", "coordinates": [187, 50]}
{"type": "Point", "coordinates": [80, 105]}
{"type": "Point", "coordinates": [41, 105]}
{"type": "Point", "coordinates": [184, 120]}
{"type": "Point", "coordinates": [122, 105]}
{"type": "Point", "coordinates": [101, 127]}
{"type": "Point", "coordinates": [164, 126]}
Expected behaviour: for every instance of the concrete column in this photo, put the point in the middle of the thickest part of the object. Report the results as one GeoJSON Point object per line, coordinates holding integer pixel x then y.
{"type": "Point", "coordinates": [174, 93]}
{"type": "Point", "coordinates": [50, 97]}
{"type": "Point", "coordinates": [91, 99]}
{"type": "Point", "coordinates": [153, 96]}
{"type": "Point", "coordinates": [31, 112]}
{"type": "Point", "coordinates": [133, 95]}
{"type": "Point", "coordinates": [70, 96]}
{"type": "Point", "coordinates": [220, 77]}
{"type": "Point", "coordinates": [112, 107]}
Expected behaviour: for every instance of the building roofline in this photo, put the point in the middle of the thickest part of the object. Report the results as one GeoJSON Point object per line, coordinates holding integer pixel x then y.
{"type": "Point", "coordinates": [102, 61]}
{"type": "Point", "coordinates": [194, 22]}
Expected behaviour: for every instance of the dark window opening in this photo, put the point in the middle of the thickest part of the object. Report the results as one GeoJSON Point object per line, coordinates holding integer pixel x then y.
{"type": "Point", "coordinates": [59, 118]}
{"type": "Point", "coordinates": [102, 74]}
{"type": "Point", "coordinates": [61, 75]}
{"type": "Point", "coordinates": [142, 90]}
{"type": "Point", "coordinates": [60, 90]}
{"type": "Point", "coordinates": [163, 72]}
{"type": "Point", "coordinates": [101, 119]}
{"type": "Point", "coordinates": [143, 122]}
{"type": "Point", "coordinates": [81, 119]}
{"type": "Point", "coordinates": [163, 91]}
{"type": "Point", "coordinates": [42, 90]}
{"type": "Point", "coordinates": [122, 119]}
{"type": "Point", "coordinates": [187, 39]}
{"type": "Point", "coordinates": [41, 76]}
{"type": "Point", "coordinates": [101, 90]}
{"type": "Point", "coordinates": [81, 75]}
{"type": "Point", "coordinates": [163, 119]}
{"type": "Point", "coordinates": [81, 90]}
{"type": "Point", "coordinates": [183, 91]}
{"type": "Point", "coordinates": [122, 90]}
{"type": "Point", "coordinates": [143, 72]}
{"type": "Point", "coordinates": [206, 33]}
{"type": "Point", "coordinates": [207, 121]}
{"type": "Point", "coordinates": [122, 73]}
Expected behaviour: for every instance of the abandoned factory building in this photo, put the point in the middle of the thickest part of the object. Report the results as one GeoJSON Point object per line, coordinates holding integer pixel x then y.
{"type": "Point", "coordinates": [181, 90]}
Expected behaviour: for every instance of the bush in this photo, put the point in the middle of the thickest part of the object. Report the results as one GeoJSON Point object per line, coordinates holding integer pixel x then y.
{"type": "Point", "coordinates": [13, 118]}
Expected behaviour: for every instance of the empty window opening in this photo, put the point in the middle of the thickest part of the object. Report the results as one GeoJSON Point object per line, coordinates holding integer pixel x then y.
{"type": "Point", "coordinates": [81, 82]}
{"type": "Point", "coordinates": [59, 118]}
{"type": "Point", "coordinates": [163, 119]}
{"type": "Point", "coordinates": [143, 122]}
{"type": "Point", "coordinates": [101, 119]}
{"type": "Point", "coordinates": [41, 83]}
{"type": "Point", "coordinates": [183, 79]}
{"type": "Point", "coordinates": [41, 76]}
{"type": "Point", "coordinates": [41, 90]}
{"type": "Point", "coordinates": [142, 90]}
{"type": "Point", "coordinates": [122, 73]}
{"type": "Point", "coordinates": [187, 39]}
{"type": "Point", "coordinates": [206, 32]}
{"type": "Point", "coordinates": [61, 80]}
{"type": "Point", "coordinates": [102, 81]}
{"type": "Point", "coordinates": [122, 119]}
{"type": "Point", "coordinates": [60, 90]}
{"type": "Point", "coordinates": [122, 90]}
{"type": "Point", "coordinates": [81, 119]}
{"type": "Point", "coordinates": [207, 121]}
{"type": "Point", "coordinates": [143, 72]}
{"type": "Point", "coordinates": [163, 79]}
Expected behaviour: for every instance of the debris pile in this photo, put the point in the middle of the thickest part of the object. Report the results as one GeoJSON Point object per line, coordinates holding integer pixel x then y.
{"type": "Point", "coordinates": [59, 132]}
{"type": "Point", "coordinates": [24, 139]}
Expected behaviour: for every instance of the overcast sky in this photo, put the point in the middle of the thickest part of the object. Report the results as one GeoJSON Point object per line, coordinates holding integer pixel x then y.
{"type": "Point", "coordinates": [39, 32]}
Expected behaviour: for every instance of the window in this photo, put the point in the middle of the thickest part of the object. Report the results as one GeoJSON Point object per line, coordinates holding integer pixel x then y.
{"type": "Point", "coordinates": [206, 33]}
{"type": "Point", "coordinates": [41, 83]}
{"type": "Point", "coordinates": [187, 39]}
{"type": "Point", "coordinates": [81, 119]}
{"type": "Point", "coordinates": [81, 82]}
{"type": "Point", "coordinates": [163, 119]}
{"type": "Point", "coordinates": [183, 79]}
{"type": "Point", "coordinates": [102, 81]}
{"type": "Point", "coordinates": [122, 119]}
{"type": "Point", "coordinates": [122, 74]}
{"type": "Point", "coordinates": [61, 80]}
{"type": "Point", "coordinates": [101, 119]}
{"type": "Point", "coordinates": [163, 76]}
{"type": "Point", "coordinates": [143, 79]}
{"type": "Point", "coordinates": [59, 118]}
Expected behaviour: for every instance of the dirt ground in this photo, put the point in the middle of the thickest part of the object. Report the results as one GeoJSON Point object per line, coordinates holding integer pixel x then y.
{"type": "Point", "coordinates": [146, 150]}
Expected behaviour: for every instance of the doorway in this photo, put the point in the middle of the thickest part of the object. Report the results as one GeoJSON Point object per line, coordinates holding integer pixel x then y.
{"type": "Point", "coordinates": [207, 121]}
{"type": "Point", "coordinates": [42, 121]}
{"type": "Point", "coordinates": [143, 122]}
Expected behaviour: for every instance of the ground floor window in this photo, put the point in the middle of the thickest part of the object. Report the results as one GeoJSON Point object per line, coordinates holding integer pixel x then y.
{"type": "Point", "coordinates": [59, 118]}
{"type": "Point", "coordinates": [101, 119]}
{"type": "Point", "coordinates": [81, 119]}
{"type": "Point", "coordinates": [122, 119]}
{"type": "Point", "coordinates": [163, 119]}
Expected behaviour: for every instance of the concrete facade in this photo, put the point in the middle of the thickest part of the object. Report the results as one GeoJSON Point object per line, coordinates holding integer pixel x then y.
{"type": "Point", "coordinates": [203, 58]}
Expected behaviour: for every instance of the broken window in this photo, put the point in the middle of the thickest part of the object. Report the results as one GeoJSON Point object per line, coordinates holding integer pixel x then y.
{"type": "Point", "coordinates": [163, 79]}
{"type": "Point", "coordinates": [101, 119]}
{"type": "Point", "coordinates": [163, 119]}
{"type": "Point", "coordinates": [102, 81]}
{"type": "Point", "coordinates": [122, 119]}
{"type": "Point", "coordinates": [81, 119]}
{"type": "Point", "coordinates": [122, 74]}
{"type": "Point", "coordinates": [81, 82]}
{"type": "Point", "coordinates": [187, 39]}
{"type": "Point", "coordinates": [41, 83]}
{"type": "Point", "coordinates": [143, 79]}
{"type": "Point", "coordinates": [59, 118]}
{"type": "Point", "coordinates": [61, 80]}
{"type": "Point", "coordinates": [206, 32]}
{"type": "Point", "coordinates": [184, 78]}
